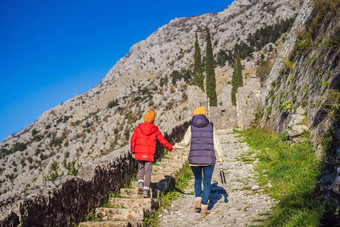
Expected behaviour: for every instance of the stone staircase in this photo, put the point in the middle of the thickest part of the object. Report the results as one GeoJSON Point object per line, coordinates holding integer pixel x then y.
{"type": "Point", "coordinates": [130, 208]}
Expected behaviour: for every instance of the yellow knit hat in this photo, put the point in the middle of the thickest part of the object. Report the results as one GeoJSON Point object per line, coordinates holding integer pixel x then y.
{"type": "Point", "coordinates": [199, 110]}
{"type": "Point", "coordinates": [149, 116]}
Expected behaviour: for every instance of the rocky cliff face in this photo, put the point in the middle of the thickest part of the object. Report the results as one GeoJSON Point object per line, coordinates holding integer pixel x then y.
{"type": "Point", "coordinates": [154, 74]}
{"type": "Point", "coordinates": [302, 90]}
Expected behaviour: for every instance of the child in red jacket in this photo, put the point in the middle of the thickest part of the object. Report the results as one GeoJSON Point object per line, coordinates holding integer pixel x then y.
{"type": "Point", "coordinates": [143, 146]}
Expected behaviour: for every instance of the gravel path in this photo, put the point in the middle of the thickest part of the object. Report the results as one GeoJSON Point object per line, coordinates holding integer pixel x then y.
{"type": "Point", "coordinates": [239, 202]}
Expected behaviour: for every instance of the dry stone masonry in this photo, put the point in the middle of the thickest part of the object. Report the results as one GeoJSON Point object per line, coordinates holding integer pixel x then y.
{"type": "Point", "coordinates": [130, 208]}
{"type": "Point", "coordinates": [69, 199]}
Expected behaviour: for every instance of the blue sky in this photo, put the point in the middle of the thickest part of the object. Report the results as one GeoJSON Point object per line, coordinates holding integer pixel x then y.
{"type": "Point", "coordinates": [53, 50]}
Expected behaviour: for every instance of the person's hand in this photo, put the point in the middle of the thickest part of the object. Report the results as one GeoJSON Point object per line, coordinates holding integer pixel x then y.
{"type": "Point", "coordinates": [220, 163]}
{"type": "Point", "coordinates": [133, 155]}
{"type": "Point", "coordinates": [172, 150]}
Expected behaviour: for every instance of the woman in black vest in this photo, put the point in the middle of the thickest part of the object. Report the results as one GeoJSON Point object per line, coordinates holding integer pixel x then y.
{"type": "Point", "coordinates": [203, 146]}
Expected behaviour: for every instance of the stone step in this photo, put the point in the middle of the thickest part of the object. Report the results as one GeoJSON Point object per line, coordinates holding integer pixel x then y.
{"type": "Point", "coordinates": [148, 204]}
{"type": "Point", "coordinates": [165, 173]}
{"type": "Point", "coordinates": [175, 156]}
{"type": "Point", "coordinates": [153, 185]}
{"type": "Point", "coordinates": [176, 160]}
{"type": "Point", "coordinates": [157, 169]}
{"type": "Point", "coordinates": [178, 154]}
{"type": "Point", "coordinates": [167, 163]}
{"type": "Point", "coordinates": [160, 177]}
{"type": "Point", "coordinates": [111, 224]}
{"type": "Point", "coordinates": [133, 193]}
{"type": "Point", "coordinates": [161, 185]}
{"type": "Point", "coordinates": [119, 214]}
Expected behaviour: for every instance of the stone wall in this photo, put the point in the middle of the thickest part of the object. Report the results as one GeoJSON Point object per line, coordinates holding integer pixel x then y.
{"type": "Point", "coordinates": [196, 98]}
{"type": "Point", "coordinates": [67, 200]}
{"type": "Point", "coordinates": [247, 98]}
{"type": "Point", "coordinates": [224, 117]}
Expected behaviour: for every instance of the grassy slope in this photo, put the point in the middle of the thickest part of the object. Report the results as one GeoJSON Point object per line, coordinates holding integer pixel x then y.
{"type": "Point", "coordinates": [293, 171]}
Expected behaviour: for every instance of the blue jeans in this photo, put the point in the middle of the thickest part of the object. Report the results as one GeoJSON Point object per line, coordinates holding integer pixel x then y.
{"type": "Point", "coordinates": [207, 174]}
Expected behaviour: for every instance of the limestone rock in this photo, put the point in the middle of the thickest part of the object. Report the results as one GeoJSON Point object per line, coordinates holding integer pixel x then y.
{"type": "Point", "coordinates": [297, 130]}
{"type": "Point", "coordinates": [255, 188]}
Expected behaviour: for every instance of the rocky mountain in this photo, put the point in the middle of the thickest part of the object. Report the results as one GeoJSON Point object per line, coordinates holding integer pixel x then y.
{"type": "Point", "coordinates": [156, 73]}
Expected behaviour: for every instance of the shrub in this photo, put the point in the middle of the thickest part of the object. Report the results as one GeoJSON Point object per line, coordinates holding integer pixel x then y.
{"type": "Point", "coordinates": [263, 71]}
{"type": "Point", "coordinates": [325, 83]}
{"type": "Point", "coordinates": [71, 168]}
{"type": "Point", "coordinates": [19, 147]}
{"type": "Point", "coordinates": [56, 141]}
{"type": "Point", "coordinates": [184, 74]}
{"type": "Point", "coordinates": [54, 172]}
{"type": "Point", "coordinates": [289, 64]}
{"type": "Point", "coordinates": [286, 106]}
{"type": "Point", "coordinates": [30, 160]}
{"type": "Point", "coordinates": [112, 103]}
{"type": "Point", "coordinates": [269, 111]}
{"type": "Point", "coordinates": [163, 81]}
{"type": "Point", "coordinates": [34, 132]}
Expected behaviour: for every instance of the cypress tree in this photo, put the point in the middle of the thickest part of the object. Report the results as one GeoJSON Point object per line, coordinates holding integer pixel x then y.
{"type": "Point", "coordinates": [210, 72]}
{"type": "Point", "coordinates": [236, 80]}
{"type": "Point", "coordinates": [239, 72]}
{"type": "Point", "coordinates": [198, 71]}
{"type": "Point", "coordinates": [234, 84]}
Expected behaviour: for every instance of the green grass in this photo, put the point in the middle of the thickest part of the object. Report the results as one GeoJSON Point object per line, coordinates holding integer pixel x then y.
{"type": "Point", "coordinates": [91, 216]}
{"type": "Point", "coordinates": [182, 179]}
{"type": "Point", "coordinates": [108, 203]}
{"type": "Point", "coordinates": [293, 171]}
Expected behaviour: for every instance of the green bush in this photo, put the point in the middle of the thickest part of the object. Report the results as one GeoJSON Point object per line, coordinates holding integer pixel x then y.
{"type": "Point", "coordinates": [184, 74]}
{"type": "Point", "coordinates": [34, 132]}
{"type": "Point", "coordinates": [286, 106]}
{"type": "Point", "coordinates": [54, 172]}
{"type": "Point", "coordinates": [112, 103]}
{"type": "Point", "coordinates": [269, 111]}
{"type": "Point", "coordinates": [72, 168]}
{"type": "Point", "coordinates": [19, 147]}
{"type": "Point", "coordinates": [284, 136]}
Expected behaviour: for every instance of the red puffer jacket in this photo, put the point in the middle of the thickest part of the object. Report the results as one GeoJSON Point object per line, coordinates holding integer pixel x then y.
{"type": "Point", "coordinates": [143, 141]}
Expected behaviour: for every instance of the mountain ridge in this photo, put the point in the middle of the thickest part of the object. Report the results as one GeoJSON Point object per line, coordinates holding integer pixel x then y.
{"type": "Point", "coordinates": [86, 127]}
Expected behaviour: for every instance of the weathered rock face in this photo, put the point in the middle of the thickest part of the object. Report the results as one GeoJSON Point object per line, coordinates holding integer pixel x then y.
{"type": "Point", "coordinates": [299, 88]}
{"type": "Point", "coordinates": [69, 199]}
{"type": "Point", "coordinates": [101, 120]}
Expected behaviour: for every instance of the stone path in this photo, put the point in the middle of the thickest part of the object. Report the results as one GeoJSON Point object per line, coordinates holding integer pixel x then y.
{"type": "Point", "coordinates": [130, 208]}
{"type": "Point", "coordinates": [240, 202]}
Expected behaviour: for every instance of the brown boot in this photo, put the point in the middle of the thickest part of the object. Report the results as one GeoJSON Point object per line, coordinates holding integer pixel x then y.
{"type": "Point", "coordinates": [204, 210]}
{"type": "Point", "coordinates": [146, 193]}
{"type": "Point", "coordinates": [140, 187]}
{"type": "Point", "coordinates": [198, 204]}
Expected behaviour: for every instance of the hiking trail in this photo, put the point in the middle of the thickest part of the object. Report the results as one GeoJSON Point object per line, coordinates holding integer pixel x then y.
{"type": "Point", "coordinates": [239, 202]}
